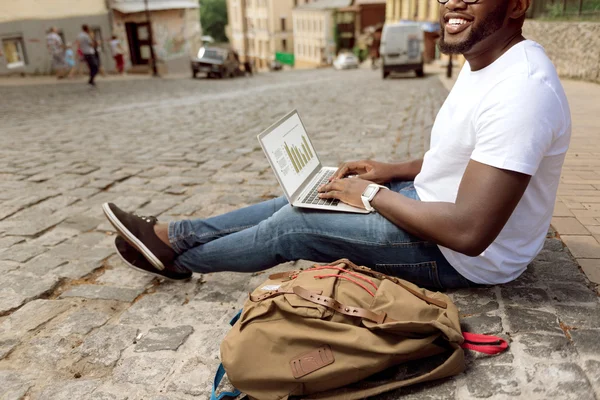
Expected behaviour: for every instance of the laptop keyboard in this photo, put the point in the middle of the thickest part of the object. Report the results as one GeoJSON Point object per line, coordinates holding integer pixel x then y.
{"type": "Point", "coordinates": [313, 196]}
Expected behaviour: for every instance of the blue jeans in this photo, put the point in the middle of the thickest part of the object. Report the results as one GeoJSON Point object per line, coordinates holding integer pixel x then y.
{"type": "Point", "coordinates": [263, 235]}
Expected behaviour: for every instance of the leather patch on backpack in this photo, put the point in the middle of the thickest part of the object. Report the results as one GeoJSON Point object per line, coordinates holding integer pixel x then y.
{"type": "Point", "coordinates": [312, 361]}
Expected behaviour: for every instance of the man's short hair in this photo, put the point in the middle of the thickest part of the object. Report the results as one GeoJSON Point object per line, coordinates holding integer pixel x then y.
{"type": "Point", "coordinates": [85, 28]}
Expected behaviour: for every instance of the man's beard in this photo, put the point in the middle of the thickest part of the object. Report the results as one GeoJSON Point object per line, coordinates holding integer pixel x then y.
{"type": "Point", "coordinates": [482, 30]}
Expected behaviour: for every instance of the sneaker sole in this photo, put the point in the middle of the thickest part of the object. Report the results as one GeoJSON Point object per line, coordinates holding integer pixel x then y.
{"type": "Point", "coordinates": [131, 239]}
{"type": "Point", "coordinates": [155, 274]}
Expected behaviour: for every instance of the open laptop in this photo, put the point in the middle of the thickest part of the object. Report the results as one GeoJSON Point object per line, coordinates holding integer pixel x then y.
{"type": "Point", "coordinates": [297, 166]}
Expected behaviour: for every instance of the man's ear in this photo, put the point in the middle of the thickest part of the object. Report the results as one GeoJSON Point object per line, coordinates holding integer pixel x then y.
{"type": "Point", "coordinates": [519, 8]}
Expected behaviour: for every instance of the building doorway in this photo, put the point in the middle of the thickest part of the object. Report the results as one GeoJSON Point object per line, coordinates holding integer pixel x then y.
{"type": "Point", "coordinates": [139, 42]}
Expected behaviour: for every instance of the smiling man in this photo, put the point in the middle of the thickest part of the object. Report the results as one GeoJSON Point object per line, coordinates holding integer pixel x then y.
{"type": "Point", "coordinates": [475, 210]}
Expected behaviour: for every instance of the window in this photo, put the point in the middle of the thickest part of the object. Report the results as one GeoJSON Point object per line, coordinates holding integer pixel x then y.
{"type": "Point", "coordinates": [14, 52]}
{"type": "Point", "coordinates": [283, 24]}
{"type": "Point", "coordinates": [295, 3]}
{"type": "Point", "coordinates": [284, 44]}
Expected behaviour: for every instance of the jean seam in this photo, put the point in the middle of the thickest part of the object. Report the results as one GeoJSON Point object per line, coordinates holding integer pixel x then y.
{"type": "Point", "coordinates": [176, 240]}
{"type": "Point", "coordinates": [345, 239]}
{"type": "Point", "coordinates": [435, 275]}
{"type": "Point", "coordinates": [421, 264]}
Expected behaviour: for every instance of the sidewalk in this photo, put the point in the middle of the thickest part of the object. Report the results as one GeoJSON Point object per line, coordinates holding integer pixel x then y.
{"type": "Point", "coordinates": [577, 212]}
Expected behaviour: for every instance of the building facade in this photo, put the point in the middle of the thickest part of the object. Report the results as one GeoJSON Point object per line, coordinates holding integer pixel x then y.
{"type": "Point", "coordinates": [176, 32]}
{"type": "Point", "coordinates": [260, 28]}
{"type": "Point", "coordinates": [314, 32]}
{"type": "Point", "coordinates": [415, 10]}
{"type": "Point", "coordinates": [25, 23]}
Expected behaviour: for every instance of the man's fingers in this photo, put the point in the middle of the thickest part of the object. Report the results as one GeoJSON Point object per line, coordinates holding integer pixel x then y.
{"type": "Point", "coordinates": [346, 169]}
{"type": "Point", "coordinates": [332, 194]}
{"type": "Point", "coordinates": [341, 171]}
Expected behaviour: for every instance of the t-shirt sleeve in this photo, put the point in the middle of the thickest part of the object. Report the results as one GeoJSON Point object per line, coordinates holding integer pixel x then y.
{"type": "Point", "coordinates": [516, 124]}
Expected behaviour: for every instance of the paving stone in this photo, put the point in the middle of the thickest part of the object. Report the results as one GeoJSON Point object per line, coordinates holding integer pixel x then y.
{"type": "Point", "coordinates": [7, 266]}
{"type": "Point", "coordinates": [124, 276]}
{"type": "Point", "coordinates": [554, 245]}
{"type": "Point", "coordinates": [437, 390]}
{"type": "Point", "coordinates": [569, 226]}
{"type": "Point", "coordinates": [149, 370]}
{"type": "Point", "coordinates": [75, 269]}
{"type": "Point", "coordinates": [586, 341]}
{"type": "Point", "coordinates": [483, 324]}
{"type": "Point", "coordinates": [80, 322]}
{"type": "Point", "coordinates": [194, 378]}
{"type": "Point", "coordinates": [81, 223]}
{"type": "Point", "coordinates": [103, 292]}
{"type": "Point", "coordinates": [17, 288]}
{"type": "Point", "coordinates": [151, 309]}
{"type": "Point", "coordinates": [474, 301]}
{"type": "Point", "coordinates": [559, 267]}
{"type": "Point", "coordinates": [31, 316]}
{"type": "Point", "coordinates": [525, 296]}
{"type": "Point", "coordinates": [55, 236]}
{"type": "Point", "coordinates": [14, 385]}
{"type": "Point", "coordinates": [69, 390]}
{"type": "Point", "coordinates": [21, 252]}
{"type": "Point", "coordinates": [582, 246]}
{"type": "Point", "coordinates": [105, 346]}
{"type": "Point", "coordinates": [592, 370]}
{"type": "Point", "coordinates": [163, 338]}
{"type": "Point", "coordinates": [487, 380]}
{"type": "Point", "coordinates": [591, 267]}
{"type": "Point", "coordinates": [527, 320]}
{"type": "Point", "coordinates": [550, 347]}
{"type": "Point", "coordinates": [6, 242]}
{"type": "Point", "coordinates": [36, 226]}
{"type": "Point", "coordinates": [560, 381]}
{"type": "Point", "coordinates": [573, 293]}
{"type": "Point", "coordinates": [578, 316]}
{"type": "Point", "coordinates": [7, 346]}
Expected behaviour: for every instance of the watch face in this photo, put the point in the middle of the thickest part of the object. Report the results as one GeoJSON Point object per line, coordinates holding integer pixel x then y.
{"type": "Point", "coordinates": [369, 191]}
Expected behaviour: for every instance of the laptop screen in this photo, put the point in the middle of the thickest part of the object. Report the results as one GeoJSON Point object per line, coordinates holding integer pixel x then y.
{"type": "Point", "coordinates": [291, 152]}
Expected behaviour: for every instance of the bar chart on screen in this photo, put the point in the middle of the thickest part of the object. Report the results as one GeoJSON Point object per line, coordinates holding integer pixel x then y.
{"type": "Point", "coordinates": [293, 157]}
{"type": "Point", "coordinates": [299, 155]}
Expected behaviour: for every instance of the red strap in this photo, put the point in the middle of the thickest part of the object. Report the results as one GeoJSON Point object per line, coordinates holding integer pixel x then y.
{"type": "Point", "coordinates": [347, 278]}
{"type": "Point", "coordinates": [484, 343]}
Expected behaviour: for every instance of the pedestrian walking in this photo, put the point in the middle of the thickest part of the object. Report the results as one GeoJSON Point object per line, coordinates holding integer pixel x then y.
{"type": "Point", "coordinates": [97, 42]}
{"type": "Point", "coordinates": [70, 60]}
{"type": "Point", "coordinates": [118, 52]}
{"type": "Point", "coordinates": [55, 47]}
{"type": "Point", "coordinates": [86, 45]}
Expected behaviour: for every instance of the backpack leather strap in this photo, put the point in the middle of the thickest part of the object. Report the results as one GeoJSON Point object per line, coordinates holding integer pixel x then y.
{"type": "Point", "coordinates": [335, 305]}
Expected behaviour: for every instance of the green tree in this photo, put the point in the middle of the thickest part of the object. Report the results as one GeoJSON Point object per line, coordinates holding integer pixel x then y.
{"type": "Point", "coordinates": [213, 17]}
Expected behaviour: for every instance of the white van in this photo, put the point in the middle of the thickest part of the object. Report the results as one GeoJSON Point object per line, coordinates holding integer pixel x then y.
{"type": "Point", "coordinates": [401, 48]}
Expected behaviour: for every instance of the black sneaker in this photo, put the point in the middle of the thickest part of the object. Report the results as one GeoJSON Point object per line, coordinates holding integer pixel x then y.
{"type": "Point", "coordinates": [139, 232]}
{"type": "Point", "coordinates": [137, 261]}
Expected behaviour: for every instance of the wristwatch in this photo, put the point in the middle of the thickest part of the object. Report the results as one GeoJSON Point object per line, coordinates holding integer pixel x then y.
{"type": "Point", "coordinates": [368, 195]}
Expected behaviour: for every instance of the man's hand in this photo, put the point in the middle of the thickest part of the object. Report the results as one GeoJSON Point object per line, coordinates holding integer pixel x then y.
{"type": "Point", "coordinates": [373, 171]}
{"type": "Point", "coordinates": [347, 190]}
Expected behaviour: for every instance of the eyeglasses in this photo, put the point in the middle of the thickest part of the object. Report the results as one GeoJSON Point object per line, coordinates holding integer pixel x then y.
{"type": "Point", "coordinates": [464, 1]}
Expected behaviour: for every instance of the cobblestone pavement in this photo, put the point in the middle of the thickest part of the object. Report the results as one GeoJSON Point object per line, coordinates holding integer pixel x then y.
{"type": "Point", "coordinates": [76, 324]}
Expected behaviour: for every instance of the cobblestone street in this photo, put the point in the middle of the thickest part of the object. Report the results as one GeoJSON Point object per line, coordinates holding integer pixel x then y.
{"type": "Point", "coordinates": [75, 323]}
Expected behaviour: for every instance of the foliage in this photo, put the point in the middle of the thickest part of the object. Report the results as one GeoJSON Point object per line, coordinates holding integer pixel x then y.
{"type": "Point", "coordinates": [361, 54]}
{"type": "Point", "coordinates": [213, 17]}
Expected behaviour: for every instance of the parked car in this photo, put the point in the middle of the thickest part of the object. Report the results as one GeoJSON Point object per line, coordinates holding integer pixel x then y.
{"type": "Point", "coordinates": [275, 66]}
{"type": "Point", "coordinates": [401, 48]}
{"type": "Point", "coordinates": [345, 61]}
{"type": "Point", "coordinates": [216, 62]}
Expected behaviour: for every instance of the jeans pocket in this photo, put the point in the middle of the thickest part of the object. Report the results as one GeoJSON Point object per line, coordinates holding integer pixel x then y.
{"type": "Point", "coordinates": [424, 274]}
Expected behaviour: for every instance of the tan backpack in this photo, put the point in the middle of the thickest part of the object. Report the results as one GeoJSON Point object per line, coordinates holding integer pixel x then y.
{"type": "Point", "coordinates": [319, 333]}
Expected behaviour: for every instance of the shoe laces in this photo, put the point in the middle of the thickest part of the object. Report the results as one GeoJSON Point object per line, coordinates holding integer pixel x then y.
{"type": "Point", "coordinates": [148, 219]}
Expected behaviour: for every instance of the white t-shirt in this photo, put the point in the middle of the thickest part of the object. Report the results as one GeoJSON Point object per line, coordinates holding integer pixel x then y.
{"type": "Point", "coordinates": [513, 115]}
{"type": "Point", "coordinates": [114, 46]}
